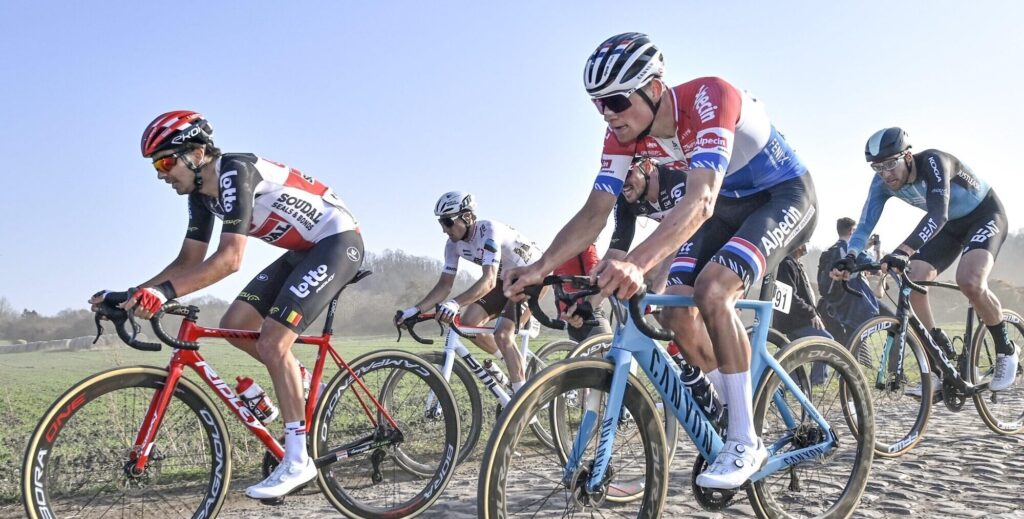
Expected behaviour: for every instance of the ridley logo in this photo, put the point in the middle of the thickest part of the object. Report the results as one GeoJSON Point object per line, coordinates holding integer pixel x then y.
{"type": "Point", "coordinates": [703, 106]}
{"type": "Point", "coordinates": [311, 279]}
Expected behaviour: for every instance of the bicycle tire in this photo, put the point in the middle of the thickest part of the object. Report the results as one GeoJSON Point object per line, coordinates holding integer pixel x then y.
{"type": "Point", "coordinates": [1002, 411]}
{"type": "Point", "coordinates": [900, 419]}
{"type": "Point", "coordinates": [467, 399]}
{"type": "Point", "coordinates": [430, 445]}
{"type": "Point", "coordinates": [190, 462]}
{"type": "Point", "coordinates": [548, 354]}
{"type": "Point", "coordinates": [782, 494]}
{"type": "Point", "coordinates": [507, 452]}
{"type": "Point", "coordinates": [598, 345]}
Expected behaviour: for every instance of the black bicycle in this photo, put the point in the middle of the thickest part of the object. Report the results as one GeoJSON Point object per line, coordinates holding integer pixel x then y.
{"type": "Point", "coordinates": [898, 355]}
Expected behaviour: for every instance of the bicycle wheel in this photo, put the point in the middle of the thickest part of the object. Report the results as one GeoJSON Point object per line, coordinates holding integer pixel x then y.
{"type": "Point", "coordinates": [77, 460]}
{"type": "Point", "coordinates": [826, 486]}
{"type": "Point", "coordinates": [1002, 411]}
{"type": "Point", "coordinates": [521, 477]}
{"type": "Point", "coordinates": [547, 355]}
{"type": "Point", "coordinates": [467, 399]}
{"type": "Point", "coordinates": [596, 347]}
{"type": "Point", "coordinates": [900, 418]}
{"type": "Point", "coordinates": [386, 479]}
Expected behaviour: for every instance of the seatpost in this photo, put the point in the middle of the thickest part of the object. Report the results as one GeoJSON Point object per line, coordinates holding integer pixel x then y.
{"type": "Point", "coordinates": [767, 288]}
{"type": "Point", "coordinates": [329, 322]}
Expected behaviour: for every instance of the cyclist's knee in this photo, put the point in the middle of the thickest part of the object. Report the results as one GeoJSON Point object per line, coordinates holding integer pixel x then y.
{"type": "Point", "coordinates": [921, 271]}
{"type": "Point", "coordinates": [680, 318]}
{"type": "Point", "coordinates": [241, 316]}
{"type": "Point", "coordinates": [971, 284]}
{"type": "Point", "coordinates": [715, 295]}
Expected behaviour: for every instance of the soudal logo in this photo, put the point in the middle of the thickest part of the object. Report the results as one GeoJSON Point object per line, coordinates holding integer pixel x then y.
{"type": "Point", "coordinates": [301, 206]}
{"type": "Point", "coordinates": [703, 106]}
{"type": "Point", "coordinates": [228, 191]}
{"type": "Point", "coordinates": [712, 140]}
{"type": "Point", "coordinates": [313, 278]}
{"type": "Point", "coordinates": [793, 221]}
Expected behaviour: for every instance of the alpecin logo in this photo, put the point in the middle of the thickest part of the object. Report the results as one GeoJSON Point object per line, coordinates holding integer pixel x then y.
{"type": "Point", "coordinates": [311, 279]}
{"type": "Point", "coordinates": [793, 221]}
{"type": "Point", "coordinates": [703, 106]}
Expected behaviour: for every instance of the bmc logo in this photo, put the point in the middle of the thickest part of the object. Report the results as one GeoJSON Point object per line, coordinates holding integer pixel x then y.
{"type": "Point", "coordinates": [312, 279]}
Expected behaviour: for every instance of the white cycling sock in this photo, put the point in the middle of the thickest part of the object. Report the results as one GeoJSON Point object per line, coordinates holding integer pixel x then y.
{"type": "Point", "coordinates": [516, 386]}
{"type": "Point", "coordinates": [295, 442]}
{"type": "Point", "coordinates": [739, 397]}
{"type": "Point", "coordinates": [498, 355]}
{"type": "Point", "coordinates": [715, 376]}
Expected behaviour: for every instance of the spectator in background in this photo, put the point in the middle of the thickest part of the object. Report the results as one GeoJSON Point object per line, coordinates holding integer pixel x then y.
{"type": "Point", "coordinates": [803, 319]}
{"type": "Point", "coordinates": [841, 311]}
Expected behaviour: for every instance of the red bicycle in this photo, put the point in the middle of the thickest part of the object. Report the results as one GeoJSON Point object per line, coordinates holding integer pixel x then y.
{"type": "Point", "coordinates": [145, 441]}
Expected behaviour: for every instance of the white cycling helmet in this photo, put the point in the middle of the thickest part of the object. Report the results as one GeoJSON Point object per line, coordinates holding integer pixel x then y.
{"type": "Point", "coordinates": [622, 64]}
{"type": "Point", "coordinates": [453, 203]}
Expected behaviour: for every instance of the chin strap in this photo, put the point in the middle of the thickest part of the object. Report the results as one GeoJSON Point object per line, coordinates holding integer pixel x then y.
{"type": "Point", "coordinates": [196, 170]}
{"type": "Point", "coordinates": [654, 112]}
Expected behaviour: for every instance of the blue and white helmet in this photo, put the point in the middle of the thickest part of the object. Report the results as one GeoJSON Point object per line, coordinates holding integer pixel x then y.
{"type": "Point", "coordinates": [622, 64]}
{"type": "Point", "coordinates": [453, 203]}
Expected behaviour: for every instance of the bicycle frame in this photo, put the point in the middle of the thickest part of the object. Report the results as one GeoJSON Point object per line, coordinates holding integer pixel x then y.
{"type": "Point", "coordinates": [182, 358]}
{"type": "Point", "coordinates": [937, 357]}
{"type": "Point", "coordinates": [453, 346]}
{"type": "Point", "coordinates": [630, 343]}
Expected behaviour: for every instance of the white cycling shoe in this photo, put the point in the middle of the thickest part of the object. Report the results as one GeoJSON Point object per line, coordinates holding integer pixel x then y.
{"type": "Point", "coordinates": [285, 478]}
{"type": "Point", "coordinates": [734, 465]}
{"type": "Point", "coordinates": [1005, 372]}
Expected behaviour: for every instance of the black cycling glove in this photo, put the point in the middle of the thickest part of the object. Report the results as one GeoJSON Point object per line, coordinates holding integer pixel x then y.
{"type": "Point", "coordinates": [847, 263]}
{"type": "Point", "coordinates": [897, 260]}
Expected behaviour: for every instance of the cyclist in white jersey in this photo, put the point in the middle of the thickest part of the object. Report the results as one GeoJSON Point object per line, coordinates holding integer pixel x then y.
{"type": "Point", "coordinates": [495, 247]}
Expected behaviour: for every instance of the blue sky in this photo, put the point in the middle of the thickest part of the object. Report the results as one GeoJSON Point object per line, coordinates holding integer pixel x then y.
{"type": "Point", "coordinates": [394, 103]}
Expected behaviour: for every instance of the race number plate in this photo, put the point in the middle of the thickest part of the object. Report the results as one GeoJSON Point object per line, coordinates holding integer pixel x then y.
{"type": "Point", "coordinates": [783, 297]}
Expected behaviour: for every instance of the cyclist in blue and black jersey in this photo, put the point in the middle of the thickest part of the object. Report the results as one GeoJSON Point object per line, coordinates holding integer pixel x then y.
{"type": "Point", "coordinates": [964, 218]}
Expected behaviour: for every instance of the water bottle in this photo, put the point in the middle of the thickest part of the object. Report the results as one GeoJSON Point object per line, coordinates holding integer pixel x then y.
{"type": "Point", "coordinates": [700, 387]}
{"type": "Point", "coordinates": [495, 372]}
{"type": "Point", "coordinates": [256, 399]}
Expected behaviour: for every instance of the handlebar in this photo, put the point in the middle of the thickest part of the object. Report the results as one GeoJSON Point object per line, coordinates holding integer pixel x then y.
{"type": "Point", "coordinates": [110, 309]}
{"type": "Point", "coordinates": [584, 289]}
{"type": "Point", "coordinates": [875, 267]}
{"type": "Point", "coordinates": [638, 318]}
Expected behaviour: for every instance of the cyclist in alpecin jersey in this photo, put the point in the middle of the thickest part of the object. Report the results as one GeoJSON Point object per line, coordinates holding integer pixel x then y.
{"type": "Point", "coordinates": [264, 199]}
{"type": "Point", "coordinates": [964, 217]}
{"type": "Point", "coordinates": [748, 202]}
{"type": "Point", "coordinates": [495, 247]}
{"type": "Point", "coordinates": [650, 190]}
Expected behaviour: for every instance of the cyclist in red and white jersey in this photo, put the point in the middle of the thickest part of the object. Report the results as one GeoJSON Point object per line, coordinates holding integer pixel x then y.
{"type": "Point", "coordinates": [748, 202]}
{"type": "Point", "coordinates": [495, 247]}
{"type": "Point", "coordinates": [280, 205]}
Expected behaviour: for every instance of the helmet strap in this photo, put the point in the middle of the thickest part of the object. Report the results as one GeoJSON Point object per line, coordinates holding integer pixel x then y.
{"type": "Point", "coordinates": [654, 111]}
{"type": "Point", "coordinates": [196, 170]}
{"type": "Point", "coordinates": [465, 235]}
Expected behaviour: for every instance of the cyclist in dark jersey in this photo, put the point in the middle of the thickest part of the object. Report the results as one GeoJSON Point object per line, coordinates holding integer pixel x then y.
{"type": "Point", "coordinates": [964, 218]}
{"type": "Point", "coordinates": [650, 190]}
{"type": "Point", "coordinates": [748, 202]}
{"type": "Point", "coordinates": [581, 265]}
{"type": "Point", "coordinates": [280, 205]}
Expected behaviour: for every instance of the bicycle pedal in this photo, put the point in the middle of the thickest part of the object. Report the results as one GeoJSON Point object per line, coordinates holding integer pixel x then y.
{"type": "Point", "coordinates": [275, 501]}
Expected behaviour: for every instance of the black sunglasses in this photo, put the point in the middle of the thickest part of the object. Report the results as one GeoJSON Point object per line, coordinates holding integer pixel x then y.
{"type": "Point", "coordinates": [617, 103]}
{"type": "Point", "coordinates": [446, 221]}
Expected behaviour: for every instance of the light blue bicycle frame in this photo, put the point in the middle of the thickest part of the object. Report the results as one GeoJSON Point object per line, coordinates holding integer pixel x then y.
{"type": "Point", "coordinates": [630, 343]}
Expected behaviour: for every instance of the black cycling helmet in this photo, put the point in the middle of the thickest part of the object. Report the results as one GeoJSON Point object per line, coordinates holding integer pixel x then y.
{"type": "Point", "coordinates": [885, 143]}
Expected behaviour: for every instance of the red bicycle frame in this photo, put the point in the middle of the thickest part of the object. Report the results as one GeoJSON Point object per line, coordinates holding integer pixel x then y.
{"type": "Point", "coordinates": [191, 332]}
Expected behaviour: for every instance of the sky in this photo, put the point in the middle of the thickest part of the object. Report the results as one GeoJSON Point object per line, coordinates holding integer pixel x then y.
{"type": "Point", "coordinates": [394, 103]}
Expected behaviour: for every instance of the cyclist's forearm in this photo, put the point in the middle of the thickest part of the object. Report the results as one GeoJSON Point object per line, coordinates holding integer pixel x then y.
{"type": "Point", "coordinates": [479, 289]}
{"type": "Point", "coordinates": [209, 272]}
{"type": "Point", "coordinates": [436, 295]}
{"type": "Point", "coordinates": [678, 226]}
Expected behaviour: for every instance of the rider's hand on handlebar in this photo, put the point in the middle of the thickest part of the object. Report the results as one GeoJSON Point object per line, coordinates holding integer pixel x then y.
{"type": "Point", "coordinates": [841, 268]}
{"type": "Point", "coordinates": [896, 261]}
{"type": "Point", "coordinates": [571, 318]}
{"type": "Point", "coordinates": [517, 279]}
{"type": "Point", "coordinates": [402, 315]}
{"type": "Point", "coordinates": [97, 299]}
{"type": "Point", "coordinates": [621, 278]}
{"type": "Point", "coordinates": [447, 311]}
{"type": "Point", "coordinates": [147, 301]}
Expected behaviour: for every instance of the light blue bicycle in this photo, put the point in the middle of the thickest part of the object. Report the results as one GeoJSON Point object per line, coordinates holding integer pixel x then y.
{"type": "Point", "coordinates": [610, 455]}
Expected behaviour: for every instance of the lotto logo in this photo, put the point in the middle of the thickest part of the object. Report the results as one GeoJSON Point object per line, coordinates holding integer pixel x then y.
{"type": "Point", "coordinates": [312, 279]}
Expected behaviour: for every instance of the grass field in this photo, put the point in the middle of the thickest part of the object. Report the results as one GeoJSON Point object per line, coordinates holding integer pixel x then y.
{"type": "Point", "coordinates": [30, 382]}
